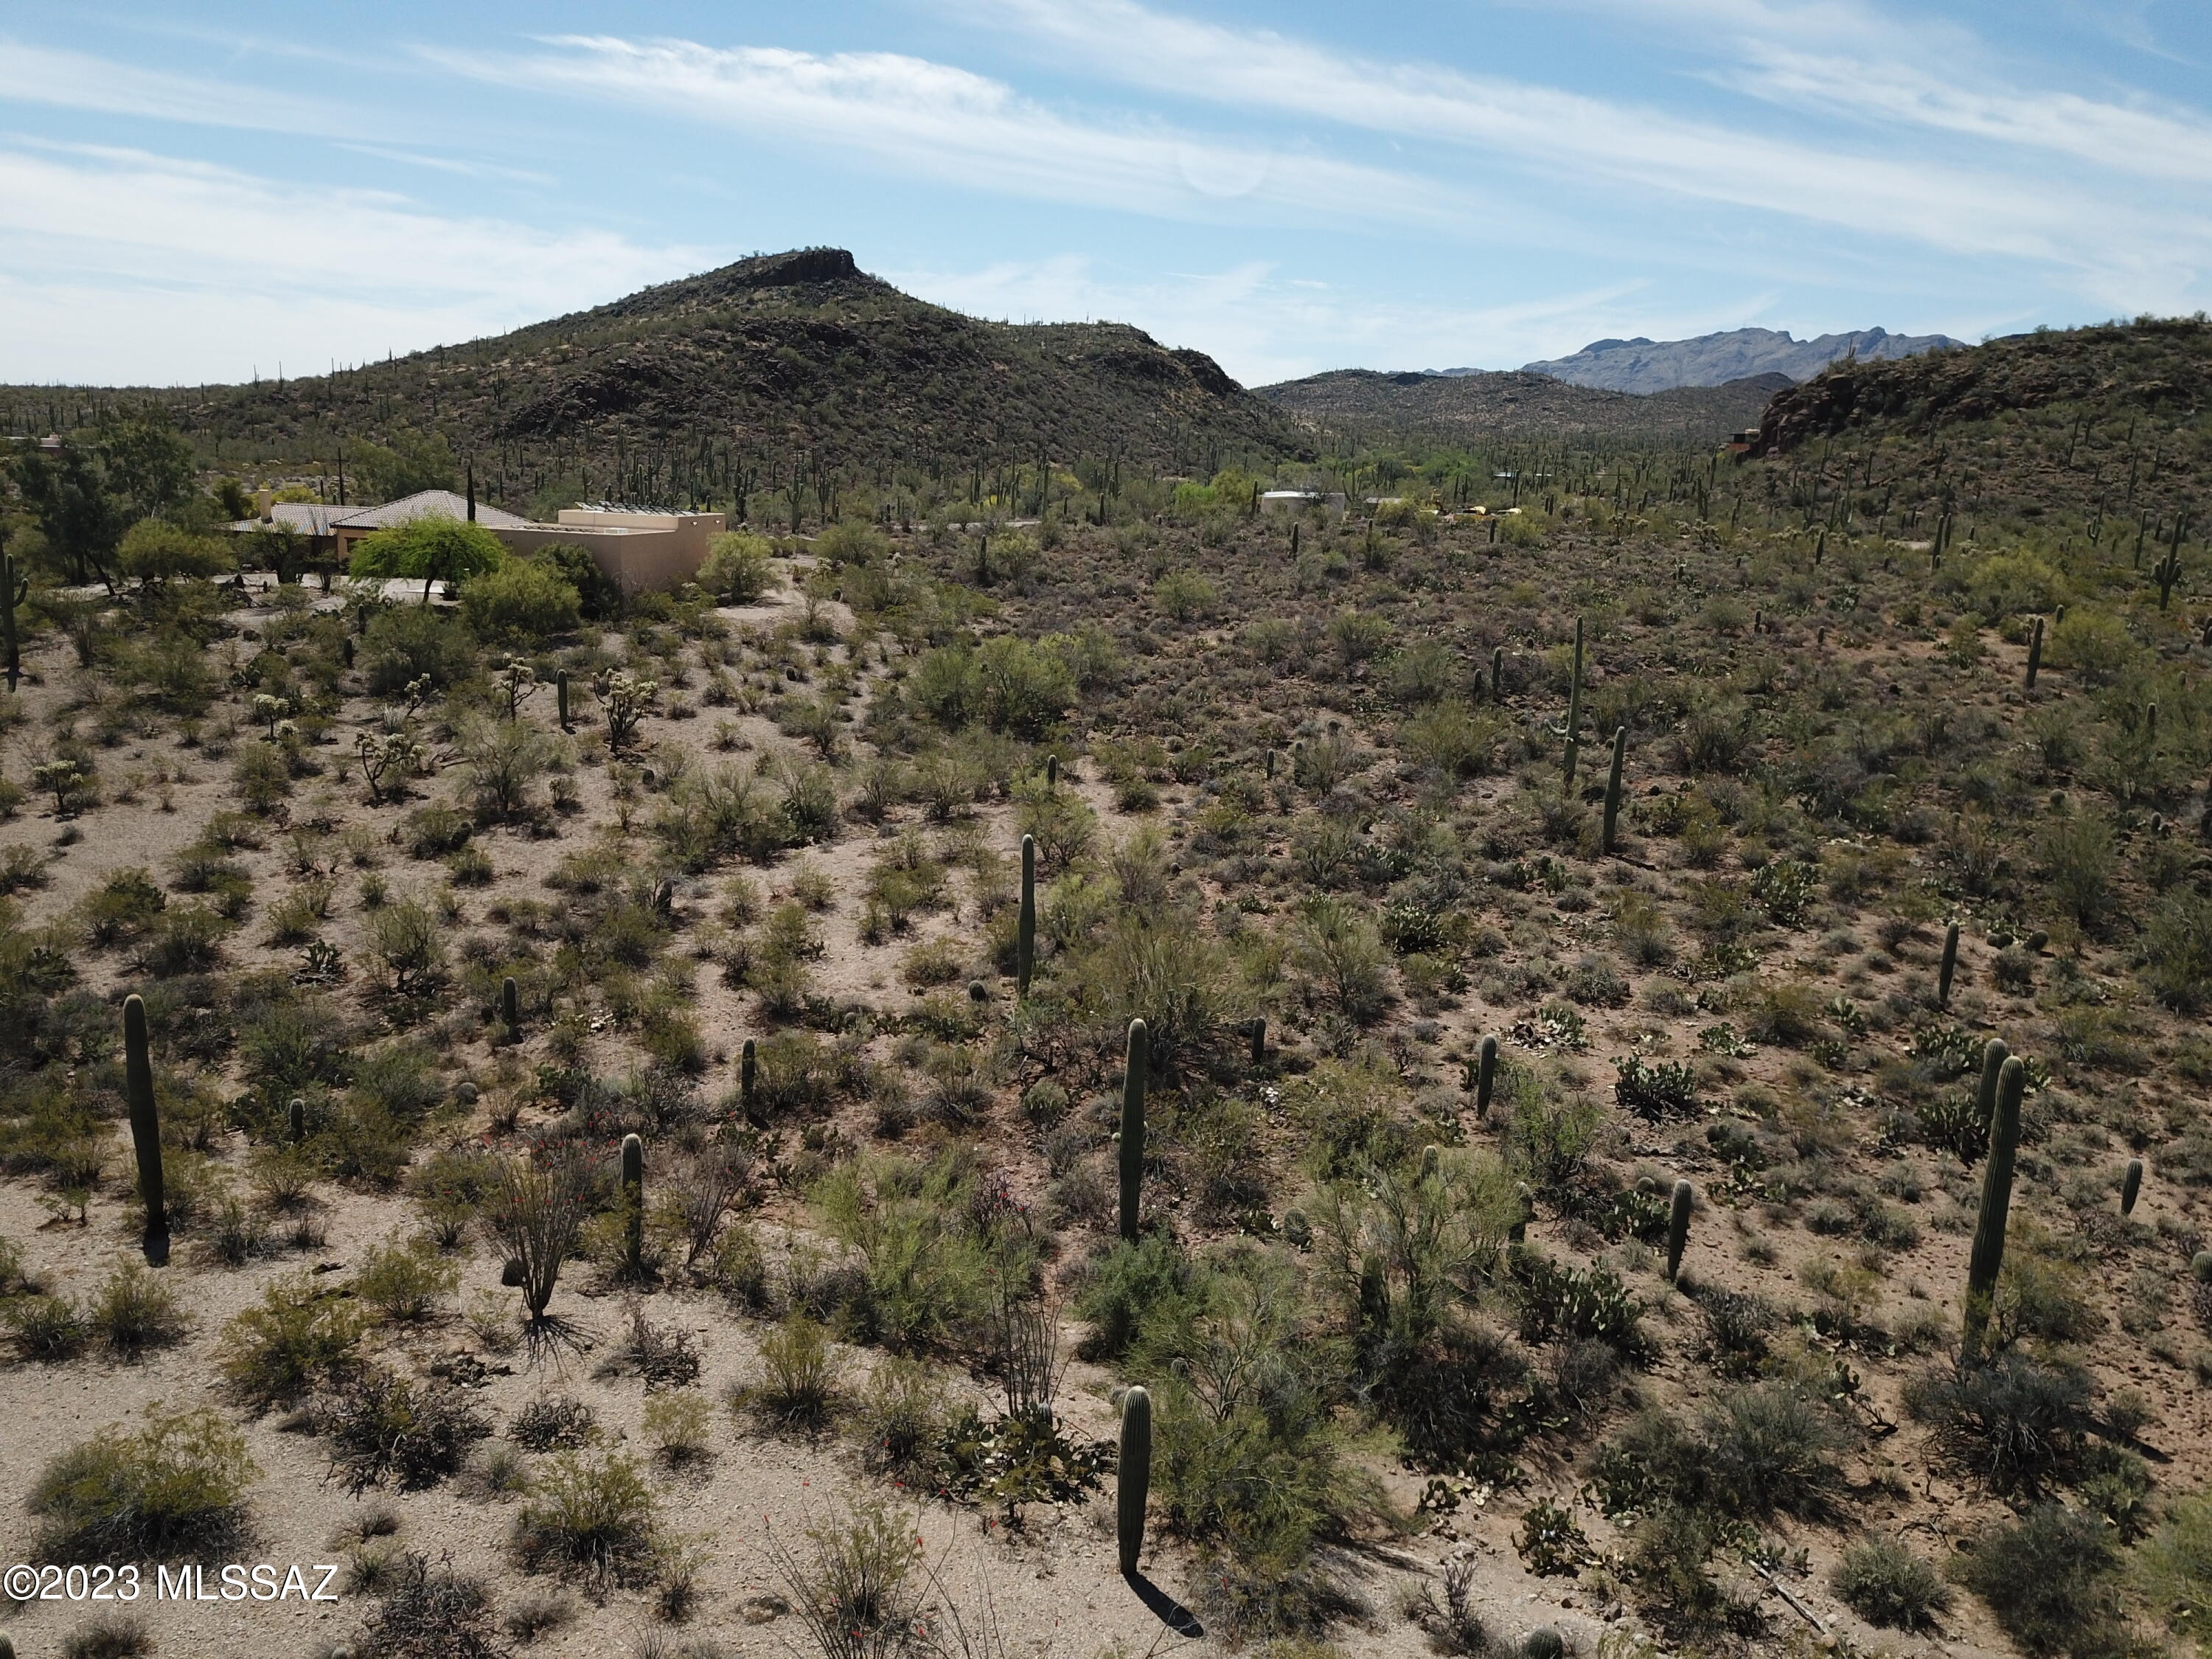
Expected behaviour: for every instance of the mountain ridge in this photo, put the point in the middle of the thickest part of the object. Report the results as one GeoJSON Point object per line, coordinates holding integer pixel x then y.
{"type": "Point", "coordinates": [1512, 402]}
{"type": "Point", "coordinates": [1647, 366]}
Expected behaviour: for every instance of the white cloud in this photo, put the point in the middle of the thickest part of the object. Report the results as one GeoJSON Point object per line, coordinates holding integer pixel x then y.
{"type": "Point", "coordinates": [945, 122]}
{"type": "Point", "coordinates": [2109, 245]}
{"type": "Point", "coordinates": [1263, 325]}
{"type": "Point", "coordinates": [121, 266]}
{"type": "Point", "coordinates": [75, 80]}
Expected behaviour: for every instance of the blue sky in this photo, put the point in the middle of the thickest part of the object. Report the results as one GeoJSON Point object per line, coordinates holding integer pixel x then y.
{"type": "Point", "coordinates": [201, 191]}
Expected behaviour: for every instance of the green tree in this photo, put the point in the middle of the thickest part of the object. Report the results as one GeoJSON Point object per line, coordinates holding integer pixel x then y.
{"type": "Point", "coordinates": [411, 463]}
{"type": "Point", "coordinates": [434, 548]}
{"type": "Point", "coordinates": [153, 551]}
{"type": "Point", "coordinates": [736, 569]}
{"type": "Point", "coordinates": [520, 601]}
{"type": "Point", "coordinates": [82, 521]}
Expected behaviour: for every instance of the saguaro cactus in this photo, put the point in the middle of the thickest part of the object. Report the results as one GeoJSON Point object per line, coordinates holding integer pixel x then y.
{"type": "Point", "coordinates": [296, 1115]}
{"type": "Point", "coordinates": [1133, 1482]}
{"type": "Point", "coordinates": [1949, 964]}
{"type": "Point", "coordinates": [748, 1071]}
{"type": "Point", "coordinates": [1612, 787]}
{"type": "Point", "coordinates": [1987, 1260]}
{"type": "Point", "coordinates": [14, 590]}
{"type": "Point", "coordinates": [1497, 673]}
{"type": "Point", "coordinates": [2131, 1186]}
{"type": "Point", "coordinates": [510, 1008]}
{"type": "Point", "coordinates": [2035, 652]}
{"type": "Point", "coordinates": [633, 1180]}
{"type": "Point", "coordinates": [1259, 1039]}
{"type": "Point", "coordinates": [1678, 1228]}
{"type": "Point", "coordinates": [2167, 570]}
{"type": "Point", "coordinates": [1574, 706]}
{"type": "Point", "coordinates": [1485, 1075]}
{"type": "Point", "coordinates": [1993, 1053]}
{"type": "Point", "coordinates": [1135, 1064]}
{"type": "Point", "coordinates": [1025, 928]}
{"type": "Point", "coordinates": [1051, 772]}
{"type": "Point", "coordinates": [145, 1127]}
{"type": "Point", "coordinates": [561, 697]}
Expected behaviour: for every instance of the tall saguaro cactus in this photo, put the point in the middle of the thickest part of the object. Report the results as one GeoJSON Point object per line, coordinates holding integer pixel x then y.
{"type": "Point", "coordinates": [1025, 928]}
{"type": "Point", "coordinates": [633, 1181]}
{"type": "Point", "coordinates": [1497, 673]}
{"type": "Point", "coordinates": [748, 1073]}
{"type": "Point", "coordinates": [1575, 707]}
{"type": "Point", "coordinates": [14, 590]}
{"type": "Point", "coordinates": [561, 697]}
{"type": "Point", "coordinates": [1135, 1065]}
{"type": "Point", "coordinates": [1613, 788]}
{"type": "Point", "coordinates": [2131, 1186]}
{"type": "Point", "coordinates": [1678, 1228]}
{"type": "Point", "coordinates": [1132, 1481]}
{"type": "Point", "coordinates": [2035, 652]}
{"type": "Point", "coordinates": [1948, 967]}
{"type": "Point", "coordinates": [1485, 1075]}
{"type": "Point", "coordinates": [1987, 1260]}
{"type": "Point", "coordinates": [145, 1127]}
{"type": "Point", "coordinates": [2167, 570]}
{"type": "Point", "coordinates": [510, 1008]}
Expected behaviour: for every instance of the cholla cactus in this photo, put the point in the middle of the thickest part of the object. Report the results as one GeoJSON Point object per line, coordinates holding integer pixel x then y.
{"type": "Point", "coordinates": [519, 680]}
{"type": "Point", "coordinates": [395, 754]}
{"type": "Point", "coordinates": [63, 779]}
{"type": "Point", "coordinates": [271, 711]}
{"type": "Point", "coordinates": [626, 699]}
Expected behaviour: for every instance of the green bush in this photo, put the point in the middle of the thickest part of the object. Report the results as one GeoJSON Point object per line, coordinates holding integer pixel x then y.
{"type": "Point", "coordinates": [51, 1328]}
{"type": "Point", "coordinates": [133, 1311]}
{"type": "Point", "coordinates": [523, 602]}
{"type": "Point", "coordinates": [1888, 1586]}
{"type": "Point", "coordinates": [408, 642]}
{"type": "Point", "coordinates": [404, 1282]}
{"type": "Point", "coordinates": [1121, 1288]}
{"type": "Point", "coordinates": [174, 1486]}
{"type": "Point", "coordinates": [800, 1378]}
{"type": "Point", "coordinates": [2015, 1422]}
{"type": "Point", "coordinates": [2177, 952]}
{"type": "Point", "coordinates": [596, 1518]}
{"type": "Point", "coordinates": [2174, 1568]}
{"type": "Point", "coordinates": [2048, 1579]}
{"type": "Point", "coordinates": [737, 570]}
{"type": "Point", "coordinates": [302, 1335]}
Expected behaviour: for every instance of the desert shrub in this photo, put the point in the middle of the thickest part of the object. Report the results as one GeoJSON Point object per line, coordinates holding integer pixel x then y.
{"type": "Point", "coordinates": [1123, 1288]}
{"type": "Point", "coordinates": [383, 1426]}
{"type": "Point", "coordinates": [538, 1614]}
{"type": "Point", "coordinates": [2177, 952]}
{"type": "Point", "coordinates": [1549, 1135]}
{"type": "Point", "coordinates": [553, 1423]}
{"type": "Point", "coordinates": [1655, 1090]}
{"type": "Point", "coordinates": [2080, 867]}
{"type": "Point", "coordinates": [1669, 1551]}
{"type": "Point", "coordinates": [111, 1636]}
{"type": "Point", "coordinates": [408, 642]}
{"type": "Point", "coordinates": [664, 1356]}
{"type": "Point", "coordinates": [800, 1379]}
{"type": "Point", "coordinates": [404, 1282]}
{"type": "Point", "coordinates": [185, 939]}
{"type": "Point", "coordinates": [2049, 1578]}
{"type": "Point", "coordinates": [676, 1423]}
{"type": "Point", "coordinates": [926, 1259]}
{"type": "Point", "coordinates": [2174, 1568]}
{"type": "Point", "coordinates": [1451, 739]}
{"type": "Point", "coordinates": [122, 907]}
{"type": "Point", "coordinates": [407, 943]}
{"type": "Point", "coordinates": [1887, 1585]}
{"type": "Point", "coordinates": [300, 1336]}
{"type": "Point", "coordinates": [133, 1311]}
{"type": "Point", "coordinates": [175, 1485]}
{"type": "Point", "coordinates": [2092, 643]}
{"type": "Point", "coordinates": [51, 1328]}
{"type": "Point", "coordinates": [432, 1614]}
{"type": "Point", "coordinates": [2015, 1422]}
{"type": "Point", "coordinates": [1758, 1450]}
{"type": "Point", "coordinates": [596, 1518]}
{"type": "Point", "coordinates": [853, 1584]}
{"type": "Point", "coordinates": [736, 569]}
{"type": "Point", "coordinates": [520, 603]}
{"type": "Point", "coordinates": [899, 1421]}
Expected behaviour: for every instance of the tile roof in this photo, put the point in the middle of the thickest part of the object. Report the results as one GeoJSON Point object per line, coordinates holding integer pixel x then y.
{"type": "Point", "coordinates": [426, 504]}
{"type": "Point", "coordinates": [307, 518]}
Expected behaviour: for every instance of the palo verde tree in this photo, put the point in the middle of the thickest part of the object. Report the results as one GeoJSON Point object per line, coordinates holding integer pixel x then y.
{"type": "Point", "coordinates": [433, 548]}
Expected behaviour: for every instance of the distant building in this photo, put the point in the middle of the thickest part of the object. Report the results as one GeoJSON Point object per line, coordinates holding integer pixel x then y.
{"type": "Point", "coordinates": [1742, 443]}
{"type": "Point", "coordinates": [638, 549]}
{"type": "Point", "coordinates": [1299, 501]}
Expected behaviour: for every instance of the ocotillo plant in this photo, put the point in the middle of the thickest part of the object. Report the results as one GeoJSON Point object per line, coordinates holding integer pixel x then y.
{"type": "Point", "coordinates": [1025, 927]}
{"type": "Point", "coordinates": [2131, 1186]}
{"type": "Point", "coordinates": [1949, 964]}
{"type": "Point", "coordinates": [561, 697]}
{"type": "Point", "coordinates": [145, 1127]}
{"type": "Point", "coordinates": [2035, 652]}
{"type": "Point", "coordinates": [1485, 1075]}
{"type": "Point", "coordinates": [1612, 787]}
{"type": "Point", "coordinates": [510, 1008]}
{"type": "Point", "coordinates": [1574, 706]}
{"type": "Point", "coordinates": [1993, 1054]}
{"type": "Point", "coordinates": [633, 1181]}
{"type": "Point", "coordinates": [1987, 1260]}
{"type": "Point", "coordinates": [1678, 1228]}
{"type": "Point", "coordinates": [748, 1069]}
{"type": "Point", "coordinates": [1132, 1481]}
{"type": "Point", "coordinates": [1135, 1066]}
{"type": "Point", "coordinates": [14, 590]}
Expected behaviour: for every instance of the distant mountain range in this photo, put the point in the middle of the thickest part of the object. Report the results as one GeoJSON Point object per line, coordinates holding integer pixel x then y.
{"type": "Point", "coordinates": [1641, 365]}
{"type": "Point", "coordinates": [1514, 404]}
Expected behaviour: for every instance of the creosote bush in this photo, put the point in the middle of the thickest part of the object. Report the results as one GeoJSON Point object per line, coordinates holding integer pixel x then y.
{"type": "Point", "coordinates": [174, 1486]}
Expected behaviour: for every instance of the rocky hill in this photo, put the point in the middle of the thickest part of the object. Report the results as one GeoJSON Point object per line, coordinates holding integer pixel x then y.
{"type": "Point", "coordinates": [1642, 365]}
{"type": "Point", "coordinates": [694, 388]}
{"type": "Point", "coordinates": [1520, 405]}
{"type": "Point", "coordinates": [2074, 428]}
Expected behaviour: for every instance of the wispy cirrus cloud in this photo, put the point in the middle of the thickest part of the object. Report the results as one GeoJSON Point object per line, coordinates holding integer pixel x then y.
{"type": "Point", "coordinates": [2108, 243]}
{"type": "Point", "coordinates": [938, 121]}
{"type": "Point", "coordinates": [64, 79]}
{"type": "Point", "coordinates": [137, 267]}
